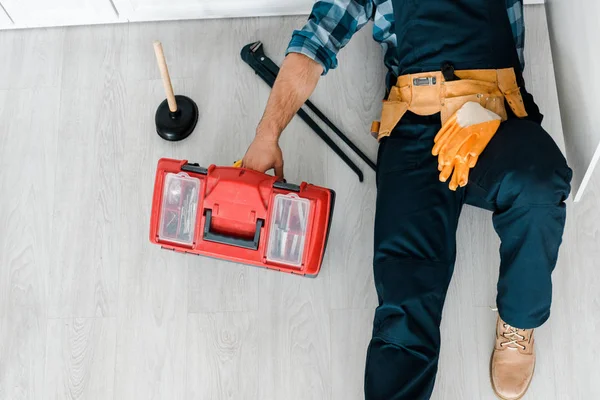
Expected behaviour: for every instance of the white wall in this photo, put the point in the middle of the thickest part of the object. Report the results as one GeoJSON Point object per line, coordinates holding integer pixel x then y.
{"type": "Point", "coordinates": [42, 13]}
{"type": "Point", "coordinates": [5, 21]}
{"type": "Point", "coordinates": [152, 10]}
{"type": "Point", "coordinates": [575, 35]}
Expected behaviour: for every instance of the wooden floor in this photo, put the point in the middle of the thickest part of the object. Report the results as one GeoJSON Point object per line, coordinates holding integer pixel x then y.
{"type": "Point", "coordinates": [90, 310]}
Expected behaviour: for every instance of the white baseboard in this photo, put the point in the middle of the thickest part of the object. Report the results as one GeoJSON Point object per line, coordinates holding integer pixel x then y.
{"type": "Point", "coordinates": [136, 11]}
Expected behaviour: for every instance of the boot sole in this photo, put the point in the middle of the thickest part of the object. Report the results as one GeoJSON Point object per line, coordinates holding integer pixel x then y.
{"type": "Point", "coordinates": [494, 387]}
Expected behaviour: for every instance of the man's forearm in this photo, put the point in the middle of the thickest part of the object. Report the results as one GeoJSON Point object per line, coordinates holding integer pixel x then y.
{"type": "Point", "coordinates": [295, 82]}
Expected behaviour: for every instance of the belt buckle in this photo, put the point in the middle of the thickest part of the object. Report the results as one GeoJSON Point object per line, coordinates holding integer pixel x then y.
{"type": "Point", "coordinates": [425, 81]}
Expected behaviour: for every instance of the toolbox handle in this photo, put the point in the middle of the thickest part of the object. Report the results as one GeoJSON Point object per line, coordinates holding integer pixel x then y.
{"type": "Point", "coordinates": [209, 236]}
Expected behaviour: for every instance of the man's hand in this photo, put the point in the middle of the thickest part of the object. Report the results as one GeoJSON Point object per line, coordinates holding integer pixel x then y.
{"type": "Point", "coordinates": [264, 154]}
{"type": "Point", "coordinates": [294, 84]}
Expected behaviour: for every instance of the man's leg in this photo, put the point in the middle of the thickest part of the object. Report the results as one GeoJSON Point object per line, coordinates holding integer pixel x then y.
{"type": "Point", "coordinates": [415, 228]}
{"type": "Point", "coordinates": [524, 179]}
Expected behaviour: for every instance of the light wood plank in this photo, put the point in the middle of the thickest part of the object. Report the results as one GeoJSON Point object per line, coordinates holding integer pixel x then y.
{"type": "Point", "coordinates": [151, 360]}
{"type": "Point", "coordinates": [575, 326]}
{"type": "Point", "coordinates": [537, 38]}
{"type": "Point", "coordinates": [222, 356]}
{"type": "Point", "coordinates": [185, 57]}
{"type": "Point", "coordinates": [80, 358]}
{"type": "Point", "coordinates": [33, 58]}
{"type": "Point", "coordinates": [95, 58]}
{"type": "Point", "coordinates": [22, 337]}
{"type": "Point", "coordinates": [293, 317]}
{"type": "Point", "coordinates": [221, 137]}
{"type": "Point", "coordinates": [357, 88]}
{"type": "Point", "coordinates": [350, 248]}
{"type": "Point", "coordinates": [540, 81]}
{"type": "Point", "coordinates": [152, 315]}
{"type": "Point", "coordinates": [350, 335]}
{"type": "Point", "coordinates": [27, 158]}
{"type": "Point", "coordinates": [559, 327]}
{"type": "Point", "coordinates": [83, 280]}
{"type": "Point", "coordinates": [468, 322]}
{"type": "Point", "coordinates": [539, 72]}
{"type": "Point", "coordinates": [216, 286]}
{"type": "Point", "coordinates": [294, 332]}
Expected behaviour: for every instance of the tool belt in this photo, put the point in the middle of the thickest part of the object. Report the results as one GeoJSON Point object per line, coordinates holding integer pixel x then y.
{"type": "Point", "coordinates": [429, 93]}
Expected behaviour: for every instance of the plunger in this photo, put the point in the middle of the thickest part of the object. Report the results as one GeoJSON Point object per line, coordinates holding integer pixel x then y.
{"type": "Point", "coordinates": [176, 117]}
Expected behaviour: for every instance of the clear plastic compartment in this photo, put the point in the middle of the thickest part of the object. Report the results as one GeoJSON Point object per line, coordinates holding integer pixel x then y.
{"type": "Point", "coordinates": [179, 208]}
{"type": "Point", "coordinates": [288, 230]}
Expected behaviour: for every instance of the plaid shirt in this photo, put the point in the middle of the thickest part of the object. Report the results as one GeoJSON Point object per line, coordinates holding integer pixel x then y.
{"type": "Point", "coordinates": [333, 22]}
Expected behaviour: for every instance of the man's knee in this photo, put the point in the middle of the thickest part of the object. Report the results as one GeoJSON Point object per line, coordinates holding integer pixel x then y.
{"type": "Point", "coordinates": [538, 185]}
{"type": "Point", "coordinates": [407, 283]}
{"type": "Point", "coordinates": [537, 172]}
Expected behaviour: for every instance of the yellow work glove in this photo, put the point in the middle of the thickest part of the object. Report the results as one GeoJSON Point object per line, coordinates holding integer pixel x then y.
{"type": "Point", "coordinates": [462, 139]}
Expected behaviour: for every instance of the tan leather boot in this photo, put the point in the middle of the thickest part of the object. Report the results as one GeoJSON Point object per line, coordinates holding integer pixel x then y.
{"type": "Point", "coordinates": [513, 361]}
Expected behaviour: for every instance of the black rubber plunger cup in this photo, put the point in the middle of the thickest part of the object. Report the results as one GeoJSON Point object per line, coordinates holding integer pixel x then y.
{"type": "Point", "coordinates": [178, 125]}
{"type": "Point", "coordinates": [176, 117]}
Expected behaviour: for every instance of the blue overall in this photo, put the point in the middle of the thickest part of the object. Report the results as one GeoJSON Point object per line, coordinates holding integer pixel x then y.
{"type": "Point", "coordinates": [522, 177]}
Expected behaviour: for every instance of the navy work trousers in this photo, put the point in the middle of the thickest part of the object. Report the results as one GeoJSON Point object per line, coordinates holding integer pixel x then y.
{"type": "Point", "coordinates": [522, 177]}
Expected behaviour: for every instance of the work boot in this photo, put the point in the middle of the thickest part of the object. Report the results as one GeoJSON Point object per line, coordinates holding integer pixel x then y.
{"type": "Point", "coordinates": [513, 361]}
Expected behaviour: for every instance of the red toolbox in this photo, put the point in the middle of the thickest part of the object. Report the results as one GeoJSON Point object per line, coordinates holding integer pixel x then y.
{"type": "Point", "coordinates": [240, 215]}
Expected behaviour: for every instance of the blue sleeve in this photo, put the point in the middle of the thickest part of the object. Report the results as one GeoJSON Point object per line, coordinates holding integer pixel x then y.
{"type": "Point", "coordinates": [517, 23]}
{"type": "Point", "coordinates": [330, 26]}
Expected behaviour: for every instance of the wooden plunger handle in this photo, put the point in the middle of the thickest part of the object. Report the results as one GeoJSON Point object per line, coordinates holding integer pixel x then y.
{"type": "Point", "coordinates": [164, 73]}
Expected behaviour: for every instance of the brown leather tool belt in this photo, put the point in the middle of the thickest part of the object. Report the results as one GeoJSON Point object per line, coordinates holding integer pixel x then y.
{"type": "Point", "coordinates": [429, 93]}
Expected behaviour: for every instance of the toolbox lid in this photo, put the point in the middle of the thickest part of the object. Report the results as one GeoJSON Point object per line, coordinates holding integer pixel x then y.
{"type": "Point", "coordinates": [179, 208]}
{"type": "Point", "coordinates": [289, 221]}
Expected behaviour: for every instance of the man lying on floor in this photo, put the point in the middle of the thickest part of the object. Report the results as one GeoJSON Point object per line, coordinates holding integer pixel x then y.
{"type": "Point", "coordinates": [456, 110]}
